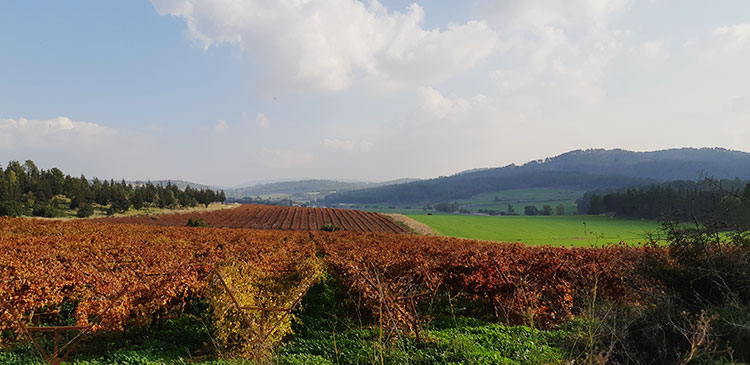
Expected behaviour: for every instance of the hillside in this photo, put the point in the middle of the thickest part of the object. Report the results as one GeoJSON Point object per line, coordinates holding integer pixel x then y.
{"type": "Point", "coordinates": [576, 170]}
{"type": "Point", "coordinates": [304, 189]}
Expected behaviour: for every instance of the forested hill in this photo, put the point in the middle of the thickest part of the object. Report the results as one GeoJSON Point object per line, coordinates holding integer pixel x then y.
{"type": "Point", "coordinates": [579, 170]}
{"type": "Point", "coordinates": [665, 165]}
{"type": "Point", "coordinates": [27, 190]}
{"type": "Point", "coordinates": [305, 189]}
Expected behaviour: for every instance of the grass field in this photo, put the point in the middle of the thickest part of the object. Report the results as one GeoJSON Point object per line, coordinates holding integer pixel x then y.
{"type": "Point", "coordinates": [552, 230]}
{"type": "Point", "coordinates": [519, 198]}
{"type": "Point", "coordinates": [498, 201]}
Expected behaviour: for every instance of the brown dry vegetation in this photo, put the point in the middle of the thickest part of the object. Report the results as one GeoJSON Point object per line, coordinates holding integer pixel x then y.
{"type": "Point", "coordinates": [416, 226]}
{"type": "Point", "coordinates": [273, 217]}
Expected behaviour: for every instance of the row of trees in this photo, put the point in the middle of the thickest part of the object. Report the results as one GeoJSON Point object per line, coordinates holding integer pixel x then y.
{"type": "Point", "coordinates": [528, 210]}
{"type": "Point", "coordinates": [27, 190]}
{"type": "Point", "coordinates": [725, 200]}
{"type": "Point", "coordinates": [546, 210]}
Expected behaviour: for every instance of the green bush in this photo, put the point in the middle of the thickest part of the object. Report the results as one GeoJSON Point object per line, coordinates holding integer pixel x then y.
{"type": "Point", "coordinates": [13, 209]}
{"type": "Point", "coordinates": [45, 210]}
{"type": "Point", "coordinates": [330, 228]}
{"type": "Point", "coordinates": [85, 210]}
{"type": "Point", "coordinates": [196, 222]}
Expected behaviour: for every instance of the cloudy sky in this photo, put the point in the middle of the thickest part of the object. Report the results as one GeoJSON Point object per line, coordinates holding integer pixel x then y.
{"type": "Point", "coordinates": [223, 92]}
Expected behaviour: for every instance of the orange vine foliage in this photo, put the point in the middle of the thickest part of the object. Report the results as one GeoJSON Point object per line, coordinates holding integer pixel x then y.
{"type": "Point", "coordinates": [121, 273]}
{"type": "Point", "coordinates": [125, 273]}
{"type": "Point", "coordinates": [534, 285]}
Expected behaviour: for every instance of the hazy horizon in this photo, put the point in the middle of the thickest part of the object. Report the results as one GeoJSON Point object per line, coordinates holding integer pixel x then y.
{"type": "Point", "coordinates": [221, 93]}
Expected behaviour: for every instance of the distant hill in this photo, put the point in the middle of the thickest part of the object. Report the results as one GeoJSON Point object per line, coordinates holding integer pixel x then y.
{"type": "Point", "coordinates": [304, 189]}
{"type": "Point", "coordinates": [577, 170]}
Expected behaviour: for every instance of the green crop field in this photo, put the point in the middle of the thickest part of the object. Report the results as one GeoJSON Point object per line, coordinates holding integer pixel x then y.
{"type": "Point", "coordinates": [497, 201]}
{"type": "Point", "coordinates": [578, 230]}
{"type": "Point", "coordinates": [519, 198]}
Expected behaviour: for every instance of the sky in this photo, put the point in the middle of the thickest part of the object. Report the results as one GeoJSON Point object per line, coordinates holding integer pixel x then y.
{"type": "Point", "coordinates": [225, 92]}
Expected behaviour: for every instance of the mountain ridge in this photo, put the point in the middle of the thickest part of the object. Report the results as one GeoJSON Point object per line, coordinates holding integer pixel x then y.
{"type": "Point", "coordinates": [579, 169]}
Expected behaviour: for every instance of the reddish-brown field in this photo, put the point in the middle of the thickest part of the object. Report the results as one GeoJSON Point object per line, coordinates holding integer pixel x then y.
{"type": "Point", "coordinates": [274, 217]}
{"type": "Point", "coordinates": [121, 273]}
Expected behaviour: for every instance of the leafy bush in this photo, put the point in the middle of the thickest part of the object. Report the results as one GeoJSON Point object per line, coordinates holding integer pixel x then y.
{"type": "Point", "coordinates": [196, 222]}
{"type": "Point", "coordinates": [328, 227]}
{"type": "Point", "coordinates": [530, 210]}
{"type": "Point", "coordinates": [447, 207]}
{"type": "Point", "coordinates": [254, 333]}
{"type": "Point", "coordinates": [85, 210]}
{"type": "Point", "coordinates": [13, 209]}
{"type": "Point", "coordinates": [45, 210]}
{"type": "Point", "coordinates": [701, 314]}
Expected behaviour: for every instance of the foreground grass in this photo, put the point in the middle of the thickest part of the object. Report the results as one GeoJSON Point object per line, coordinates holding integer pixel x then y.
{"type": "Point", "coordinates": [329, 331]}
{"type": "Point", "coordinates": [550, 230]}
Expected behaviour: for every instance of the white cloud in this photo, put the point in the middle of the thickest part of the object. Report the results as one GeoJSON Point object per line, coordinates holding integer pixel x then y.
{"type": "Point", "coordinates": [60, 131]}
{"type": "Point", "coordinates": [530, 14]}
{"type": "Point", "coordinates": [550, 65]}
{"type": "Point", "coordinates": [83, 147]}
{"type": "Point", "coordinates": [365, 145]}
{"type": "Point", "coordinates": [556, 50]}
{"type": "Point", "coordinates": [221, 126]}
{"type": "Point", "coordinates": [733, 37]}
{"type": "Point", "coordinates": [650, 54]}
{"type": "Point", "coordinates": [328, 44]}
{"type": "Point", "coordinates": [435, 104]}
{"type": "Point", "coordinates": [262, 121]}
{"type": "Point", "coordinates": [346, 145]}
{"type": "Point", "coordinates": [654, 50]}
{"type": "Point", "coordinates": [338, 144]}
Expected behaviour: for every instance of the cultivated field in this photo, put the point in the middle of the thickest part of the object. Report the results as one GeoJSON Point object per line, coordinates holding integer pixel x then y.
{"type": "Point", "coordinates": [550, 230]}
{"type": "Point", "coordinates": [241, 286]}
{"type": "Point", "coordinates": [274, 217]}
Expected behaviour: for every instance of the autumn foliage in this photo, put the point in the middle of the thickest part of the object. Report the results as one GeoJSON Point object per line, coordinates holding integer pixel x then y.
{"type": "Point", "coordinates": [117, 275]}
{"type": "Point", "coordinates": [252, 302]}
{"type": "Point", "coordinates": [533, 285]}
{"type": "Point", "coordinates": [125, 274]}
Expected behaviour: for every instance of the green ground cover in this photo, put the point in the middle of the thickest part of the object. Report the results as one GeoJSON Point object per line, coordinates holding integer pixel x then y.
{"type": "Point", "coordinates": [497, 201]}
{"type": "Point", "coordinates": [519, 198]}
{"type": "Point", "coordinates": [578, 230]}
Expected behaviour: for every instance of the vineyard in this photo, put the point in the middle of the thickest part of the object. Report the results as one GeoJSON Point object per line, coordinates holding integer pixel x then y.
{"type": "Point", "coordinates": [275, 217]}
{"type": "Point", "coordinates": [532, 285]}
{"type": "Point", "coordinates": [125, 275]}
{"type": "Point", "coordinates": [105, 277]}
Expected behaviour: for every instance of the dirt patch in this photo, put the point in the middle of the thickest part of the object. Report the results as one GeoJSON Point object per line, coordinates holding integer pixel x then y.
{"type": "Point", "coordinates": [413, 224]}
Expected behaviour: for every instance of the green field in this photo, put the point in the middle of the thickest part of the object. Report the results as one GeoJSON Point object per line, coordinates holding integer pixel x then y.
{"type": "Point", "coordinates": [497, 201]}
{"type": "Point", "coordinates": [578, 230]}
{"type": "Point", "coordinates": [519, 198]}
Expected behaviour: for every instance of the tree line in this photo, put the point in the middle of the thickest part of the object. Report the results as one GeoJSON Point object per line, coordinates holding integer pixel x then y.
{"type": "Point", "coordinates": [724, 200]}
{"type": "Point", "coordinates": [26, 190]}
